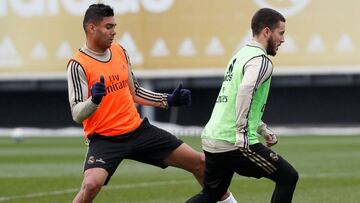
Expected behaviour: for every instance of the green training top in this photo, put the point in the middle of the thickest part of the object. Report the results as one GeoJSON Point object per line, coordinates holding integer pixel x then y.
{"type": "Point", "coordinates": [240, 104]}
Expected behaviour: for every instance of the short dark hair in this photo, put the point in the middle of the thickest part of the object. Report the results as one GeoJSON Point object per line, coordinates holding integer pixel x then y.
{"type": "Point", "coordinates": [96, 12]}
{"type": "Point", "coordinates": [265, 17]}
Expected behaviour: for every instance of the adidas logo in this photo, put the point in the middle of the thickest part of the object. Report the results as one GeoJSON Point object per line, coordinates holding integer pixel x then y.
{"type": "Point", "coordinates": [9, 57]}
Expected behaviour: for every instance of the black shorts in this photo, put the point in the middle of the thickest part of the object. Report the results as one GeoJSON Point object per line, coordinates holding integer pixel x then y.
{"type": "Point", "coordinates": [259, 162]}
{"type": "Point", "coordinates": [147, 144]}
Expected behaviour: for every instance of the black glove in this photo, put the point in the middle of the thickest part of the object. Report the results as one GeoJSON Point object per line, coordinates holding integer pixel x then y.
{"type": "Point", "coordinates": [98, 90]}
{"type": "Point", "coordinates": [179, 97]}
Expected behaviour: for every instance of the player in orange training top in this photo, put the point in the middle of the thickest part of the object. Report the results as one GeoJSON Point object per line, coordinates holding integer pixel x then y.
{"type": "Point", "coordinates": [102, 95]}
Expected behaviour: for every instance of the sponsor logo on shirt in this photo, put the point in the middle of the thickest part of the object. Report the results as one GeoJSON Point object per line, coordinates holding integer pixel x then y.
{"type": "Point", "coordinates": [222, 99]}
{"type": "Point", "coordinates": [91, 160]}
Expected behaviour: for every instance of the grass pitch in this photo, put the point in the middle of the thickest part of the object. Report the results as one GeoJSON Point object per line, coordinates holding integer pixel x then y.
{"type": "Point", "coordinates": [49, 170]}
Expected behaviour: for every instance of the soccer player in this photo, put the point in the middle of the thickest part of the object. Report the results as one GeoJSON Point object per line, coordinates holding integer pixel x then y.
{"type": "Point", "coordinates": [102, 94]}
{"type": "Point", "coordinates": [230, 139]}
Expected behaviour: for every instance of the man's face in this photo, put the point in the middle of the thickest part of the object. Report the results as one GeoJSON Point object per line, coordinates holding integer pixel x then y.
{"type": "Point", "coordinates": [276, 39]}
{"type": "Point", "coordinates": [105, 32]}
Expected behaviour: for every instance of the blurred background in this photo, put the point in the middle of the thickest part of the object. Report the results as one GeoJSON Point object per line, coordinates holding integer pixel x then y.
{"type": "Point", "coordinates": [316, 76]}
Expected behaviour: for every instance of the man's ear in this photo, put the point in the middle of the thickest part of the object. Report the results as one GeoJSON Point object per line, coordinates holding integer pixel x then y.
{"type": "Point", "coordinates": [266, 32]}
{"type": "Point", "coordinates": [90, 28]}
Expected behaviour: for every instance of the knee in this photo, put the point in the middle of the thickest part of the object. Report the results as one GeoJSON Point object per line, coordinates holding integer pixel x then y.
{"type": "Point", "coordinates": [294, 176]}
{"type": "Point", "coordinates": [200, 165]}
{"type": "Point", "coordinates": [91, 187]}
{"type": "Point", "coordinates": [291, 177]}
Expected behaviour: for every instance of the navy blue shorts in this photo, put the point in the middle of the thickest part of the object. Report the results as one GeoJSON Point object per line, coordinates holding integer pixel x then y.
{"type": "Point", "coordinates": [147, 144]}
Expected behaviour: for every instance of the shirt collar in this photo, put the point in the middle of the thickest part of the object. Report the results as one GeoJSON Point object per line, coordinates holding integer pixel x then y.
{"type": "Point", "coordinates": [105, 56]}
{"type": "Point", "coordinates": [257, 44]}
{"type": "Point", "coordinates": [88, 50]}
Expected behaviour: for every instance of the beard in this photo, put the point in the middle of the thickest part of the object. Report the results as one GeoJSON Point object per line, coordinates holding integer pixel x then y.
{"type": "Point", "coordinates": [271, 47]}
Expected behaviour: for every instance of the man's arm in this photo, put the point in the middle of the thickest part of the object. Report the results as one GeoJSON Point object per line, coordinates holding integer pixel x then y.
{"type": "Point", "coordinates": [179, 96]}
{"type": "Point", "coordinates": [146, 97]}
{"type": "Point", "coordinates": [256, 71]}
{"type": "Point", "coordinates": [81, 105]}
{"type": "Point", "coordinates": [142, 96]}
{"type": "Point", "coordinates": [267, 134]}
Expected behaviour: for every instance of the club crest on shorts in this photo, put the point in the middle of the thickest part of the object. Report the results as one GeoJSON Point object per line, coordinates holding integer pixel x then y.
{"type": "Point", "coordinates": [274, 156]}
{"type": "Point", "coordinates": [91, 160]}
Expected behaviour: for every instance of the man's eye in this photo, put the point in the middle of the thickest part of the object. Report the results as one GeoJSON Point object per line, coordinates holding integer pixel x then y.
{"type": "Point", "coordinates": [109, 27]}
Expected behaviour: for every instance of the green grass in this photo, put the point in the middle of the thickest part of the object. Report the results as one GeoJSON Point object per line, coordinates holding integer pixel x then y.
{"type": "Point", "coordinates": [50, 170]}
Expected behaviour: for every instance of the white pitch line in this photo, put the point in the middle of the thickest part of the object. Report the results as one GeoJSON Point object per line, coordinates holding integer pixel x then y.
{"type": "Point", "coordinates": [73, 190]}
{"type": "Point", "coordinates": [40, 194]}
{"type": "Point", "coordinates": [148, 184]}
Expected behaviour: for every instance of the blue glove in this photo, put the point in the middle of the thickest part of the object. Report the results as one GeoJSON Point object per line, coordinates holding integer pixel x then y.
{"type": "Point", "coordinates": [179, 97]}
{"type": "Point", "coordinates": [98, 90]}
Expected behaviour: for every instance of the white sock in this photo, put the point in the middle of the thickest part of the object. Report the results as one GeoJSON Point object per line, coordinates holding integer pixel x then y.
{"type": "Point", "coordinates": [229, 199]}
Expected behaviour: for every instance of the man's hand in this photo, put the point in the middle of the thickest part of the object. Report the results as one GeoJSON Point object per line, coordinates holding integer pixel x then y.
{"type": "Point", "coordinates": [268, 135]}
{"type": "Point", "coordinates": [98, 90]}
{"type": "Point", "coordinates": [270, 139]}
{"type": "Point", "coordinates": [179, 97]}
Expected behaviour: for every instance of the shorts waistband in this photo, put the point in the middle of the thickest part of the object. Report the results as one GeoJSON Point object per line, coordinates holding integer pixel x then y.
{"type": "Point", "coordinates": [128, 135]}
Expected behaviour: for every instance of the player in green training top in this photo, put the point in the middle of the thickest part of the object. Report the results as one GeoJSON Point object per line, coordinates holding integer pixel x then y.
{"type": "Point", "coordinates": [230, 138]}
